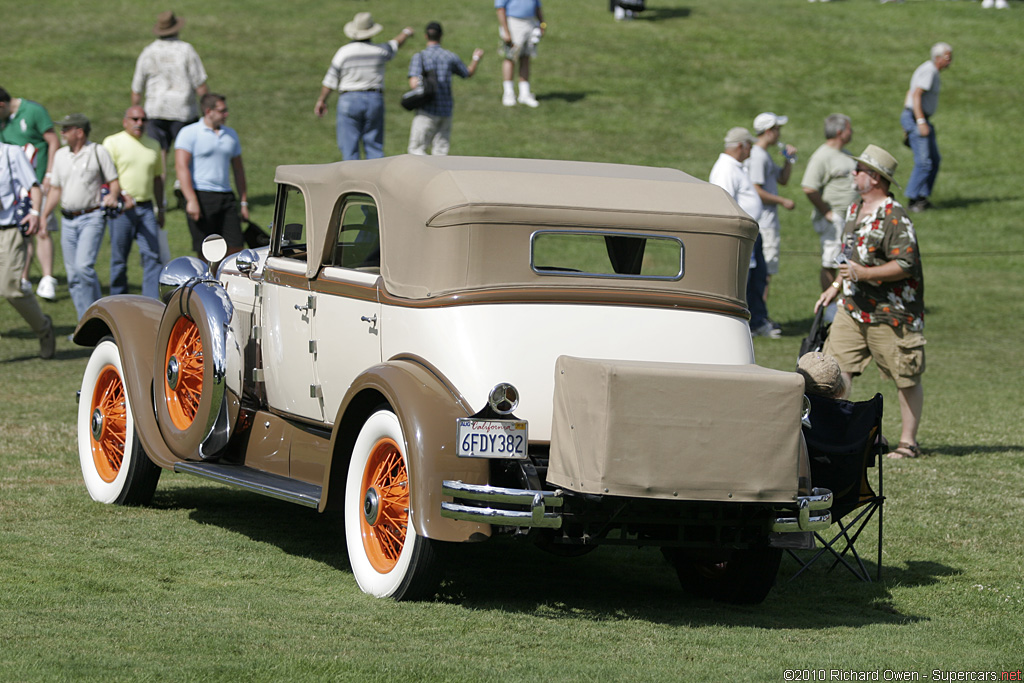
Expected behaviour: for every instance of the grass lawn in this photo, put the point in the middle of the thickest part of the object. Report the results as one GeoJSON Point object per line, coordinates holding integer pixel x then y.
{"type": "Point", "coordinates": [214, 584]}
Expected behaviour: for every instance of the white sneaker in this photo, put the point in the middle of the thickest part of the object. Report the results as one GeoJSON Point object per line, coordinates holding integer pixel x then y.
{"type": "Point", "coordinates": [508, 99]}
{"type": "Point", "coordinates": [767, 330]}
{"type": "Point", "coordinates": [47, 288]}
{"type": "Point", "coordinates": [1002, 4]}
{"type": "Point", "coordinates": [26, 286]}
{"type": "Point", "coordinates": [988, 4]}
{"type": "Point", "coordinates": [529, 100]}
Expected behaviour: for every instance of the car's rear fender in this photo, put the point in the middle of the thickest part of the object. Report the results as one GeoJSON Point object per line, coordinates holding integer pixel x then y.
{"type": "Point", "coordinates": [427, 406]}
{"type": "Point", "coordinates": [133, 322]}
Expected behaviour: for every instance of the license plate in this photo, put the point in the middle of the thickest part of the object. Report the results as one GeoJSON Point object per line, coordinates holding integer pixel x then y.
{"type": "Point", "coordinates": [491, 438]}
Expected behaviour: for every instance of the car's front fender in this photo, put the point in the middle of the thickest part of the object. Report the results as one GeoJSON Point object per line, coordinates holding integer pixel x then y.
{"type": "Point", "coordinates": [133, 322]}
{"type": "Point", "coordinates": [427, 406]}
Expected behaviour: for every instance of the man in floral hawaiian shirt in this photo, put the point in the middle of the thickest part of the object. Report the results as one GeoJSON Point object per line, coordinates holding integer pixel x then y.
{"type": "Point", "coordinates": [880, 286]}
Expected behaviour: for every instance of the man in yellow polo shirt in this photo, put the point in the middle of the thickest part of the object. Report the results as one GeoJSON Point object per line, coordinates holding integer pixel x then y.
{"type": "Point", "coordinates": [137, 159]}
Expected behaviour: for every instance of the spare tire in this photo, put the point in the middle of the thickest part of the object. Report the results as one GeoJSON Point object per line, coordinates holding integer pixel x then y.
{"type": "Point", "coordinates": [190, 371]}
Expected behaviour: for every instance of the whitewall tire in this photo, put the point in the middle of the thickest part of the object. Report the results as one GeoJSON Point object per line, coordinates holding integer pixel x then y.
{"type": "Point", "coordinates": [387, 557]}
{"type": "Point", "coordinates": [114, 466]}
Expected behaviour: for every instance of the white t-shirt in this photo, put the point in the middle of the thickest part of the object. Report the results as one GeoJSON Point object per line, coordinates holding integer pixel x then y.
{"type": "Point", "coordinates": [927, 78]}
{"type": "Point", "coordinates": [729, 175]}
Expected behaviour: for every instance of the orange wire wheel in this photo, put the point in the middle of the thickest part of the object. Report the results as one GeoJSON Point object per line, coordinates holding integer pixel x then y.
{"type": "Point", "coordinates": [385, 494]}
{"type": "Point", "coordinates": [108, 424]}
{"type": "Point", "coordinates": [183, 376]}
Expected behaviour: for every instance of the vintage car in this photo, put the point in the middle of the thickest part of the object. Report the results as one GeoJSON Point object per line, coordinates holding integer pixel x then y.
{"type": "Point", "coordinates": [448, 349]}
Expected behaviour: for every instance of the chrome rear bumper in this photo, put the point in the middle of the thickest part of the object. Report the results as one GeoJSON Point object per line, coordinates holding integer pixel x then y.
{"type": "Point", "coordinates": [526, 508]}
{"type": "Point", "coordinates": [501, 499]}
{"type": "Point", "coordinates": [818, 502]}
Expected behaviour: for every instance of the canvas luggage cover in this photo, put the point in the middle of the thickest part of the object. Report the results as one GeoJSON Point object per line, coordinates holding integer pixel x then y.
{"type": "Point", "coordinates": [676, 431]}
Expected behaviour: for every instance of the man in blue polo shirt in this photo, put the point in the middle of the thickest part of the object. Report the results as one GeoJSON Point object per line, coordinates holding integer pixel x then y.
{"type": "Point", "coordinates": [205, 154]}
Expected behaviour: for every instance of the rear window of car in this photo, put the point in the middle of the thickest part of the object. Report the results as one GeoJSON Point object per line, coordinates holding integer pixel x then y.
{"type": "Point", "coordinates": [607, 254]}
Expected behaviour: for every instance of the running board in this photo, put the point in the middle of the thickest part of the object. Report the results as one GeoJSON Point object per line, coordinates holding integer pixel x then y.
{"type": "Point", "coordinates": [249, 479]}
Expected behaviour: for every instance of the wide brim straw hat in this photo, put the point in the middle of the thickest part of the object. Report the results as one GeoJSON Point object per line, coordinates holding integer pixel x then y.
{"type": "Point", "coordinates": [167, 24]}
{"type": "Point", "coordinates": [362, 27]}
{"type": "Point", "coordinates": [880, 161]}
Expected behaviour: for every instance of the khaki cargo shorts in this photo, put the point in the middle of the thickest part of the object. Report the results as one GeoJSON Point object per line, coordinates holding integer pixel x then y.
{"type": "Point", "coordinates": [898, 353]}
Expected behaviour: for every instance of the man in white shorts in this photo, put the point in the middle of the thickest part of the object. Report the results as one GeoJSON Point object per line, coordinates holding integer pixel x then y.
{"type": "Point", "coordinates": [520, 25]}
{"type": "Point", "coordinates": [828, 184]}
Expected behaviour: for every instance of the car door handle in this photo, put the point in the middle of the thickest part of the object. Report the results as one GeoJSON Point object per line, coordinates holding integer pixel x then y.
{"type": "Point", "coordinates": [371, 320]}
{"type": "Point", "coordinates": [310, 304]}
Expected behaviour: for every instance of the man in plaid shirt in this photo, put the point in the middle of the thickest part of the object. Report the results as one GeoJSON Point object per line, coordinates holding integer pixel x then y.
{"type": "Point", "coordinates": [432, 124]}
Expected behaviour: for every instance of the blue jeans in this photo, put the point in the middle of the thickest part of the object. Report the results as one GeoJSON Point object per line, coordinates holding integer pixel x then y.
{"type": "Point", "coordinates": [757, 280]}
{"type": "Point", "coordinates": [80, 240]}
{"type": "Point", "coordinates": [135, 224]}
{"type": "Point", "coordinates": [926, 158]}
{"type": "Point", "coordinates": [361, 117]}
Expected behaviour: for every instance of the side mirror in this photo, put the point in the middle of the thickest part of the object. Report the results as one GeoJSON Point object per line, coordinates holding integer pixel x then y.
{"type": "Point", "coordinates": [246, 262]}
{"type": "Point", "coordinates": [215, 248]}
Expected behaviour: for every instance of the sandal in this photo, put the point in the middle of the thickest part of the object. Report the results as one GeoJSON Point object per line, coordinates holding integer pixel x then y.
{"type": "Point", "coordinates": [905, 450]}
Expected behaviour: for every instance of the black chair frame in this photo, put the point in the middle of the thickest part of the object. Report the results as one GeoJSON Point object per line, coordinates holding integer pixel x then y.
{"type": "Point", "coordinates": [850, 434]}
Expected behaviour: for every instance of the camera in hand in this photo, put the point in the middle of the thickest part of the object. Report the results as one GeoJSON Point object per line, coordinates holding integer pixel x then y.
{"type": "Point", "coordinates": [21, 211]}
{"type": "Point", "coordinates": [111, 212]}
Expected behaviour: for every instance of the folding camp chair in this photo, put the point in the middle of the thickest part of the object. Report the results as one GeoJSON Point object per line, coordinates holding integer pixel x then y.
{"type": "Point", "coordinates": [843, 441]}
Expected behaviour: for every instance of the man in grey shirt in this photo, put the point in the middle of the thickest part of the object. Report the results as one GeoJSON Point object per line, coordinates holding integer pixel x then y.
{"type": "Point", "coordinates": [918, 107]}
{"type": "Point", "coordinates": [828, 184]}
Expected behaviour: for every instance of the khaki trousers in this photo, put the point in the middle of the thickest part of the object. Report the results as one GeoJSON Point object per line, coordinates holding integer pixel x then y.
{"type": "Point", "coordinates": [13, 249]}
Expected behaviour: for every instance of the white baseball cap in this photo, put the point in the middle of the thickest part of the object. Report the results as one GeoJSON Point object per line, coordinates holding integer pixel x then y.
{"type": "Point", "coordinates": [768, 120]}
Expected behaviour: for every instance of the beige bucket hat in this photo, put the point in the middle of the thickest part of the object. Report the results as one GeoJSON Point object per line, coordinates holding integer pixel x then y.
{"type": "Point", "coordinates": [877, 159]}
{"type": "Point", "coordinates": [362, 27]}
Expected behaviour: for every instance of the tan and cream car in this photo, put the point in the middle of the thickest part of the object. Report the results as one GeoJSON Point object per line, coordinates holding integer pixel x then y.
{"type": "Point", "coordinates": [449, 349]}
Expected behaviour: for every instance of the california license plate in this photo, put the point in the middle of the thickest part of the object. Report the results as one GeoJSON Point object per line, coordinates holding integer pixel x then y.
{"type": "Point", "coordinates": [491, 438]}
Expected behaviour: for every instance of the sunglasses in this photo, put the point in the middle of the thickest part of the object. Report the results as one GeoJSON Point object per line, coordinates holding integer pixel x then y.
{"type": "Point", "coordinates": [137, 118]}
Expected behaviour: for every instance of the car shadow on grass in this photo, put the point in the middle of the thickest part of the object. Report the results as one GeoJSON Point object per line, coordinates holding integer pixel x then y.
{"type": "Point", "coordinates": [625, 584]}
{"type": "Point", "coordinates": [295, 530]}
{"type": "Point", "coordinates": [609, 584]}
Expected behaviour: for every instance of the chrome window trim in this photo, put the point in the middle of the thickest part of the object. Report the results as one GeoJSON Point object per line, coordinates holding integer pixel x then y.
{"type": "Point", "coordinates": [610, 276]}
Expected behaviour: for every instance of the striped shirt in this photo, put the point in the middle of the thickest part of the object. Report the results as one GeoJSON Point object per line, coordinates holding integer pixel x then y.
{"type": "Point", "coordinates": [359, 65]}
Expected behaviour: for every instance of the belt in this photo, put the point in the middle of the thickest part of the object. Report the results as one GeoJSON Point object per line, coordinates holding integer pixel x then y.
{"type": "Point", "coordinates": [367, 90]}
{"type": "Point", "coordinates": [76, 214]}
{"type": "Point", "coordinates": [145, 204]}
{"type": "Point", "coordinates": [8, 227]}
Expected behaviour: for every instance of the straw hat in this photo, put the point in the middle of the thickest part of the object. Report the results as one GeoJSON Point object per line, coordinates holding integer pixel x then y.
{"type": "Point", "coordinates": [362, 27]}
{"type": "Point", "coordinates": [821, 374]}
{"type": "Point", "coordinates": [877, 159]}
{"type": "Point", "coordinates": [167, 24]}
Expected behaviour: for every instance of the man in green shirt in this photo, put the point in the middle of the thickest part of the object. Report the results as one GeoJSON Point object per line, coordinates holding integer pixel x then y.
{"type": "Point", "coordinates": [27, 124]}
